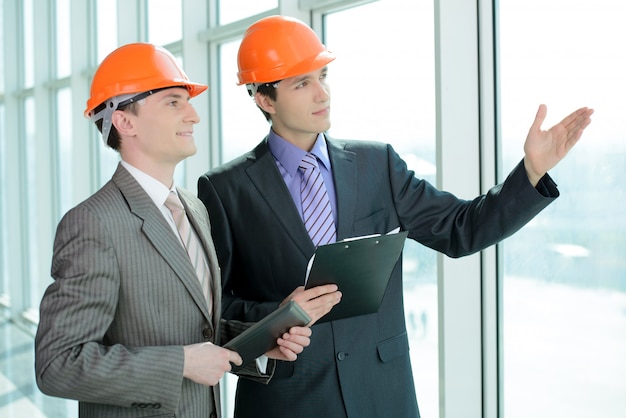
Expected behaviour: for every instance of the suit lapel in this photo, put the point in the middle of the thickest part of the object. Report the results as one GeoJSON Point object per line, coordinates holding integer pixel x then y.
{"type": "Point", "coordinates": [159, 233]}
{"type": "Point", "coordinates": [198, 217]}
{"type": "Point", "coordinates": [265, 176]}
{"type": "Point", "coordinates": [345, 177]}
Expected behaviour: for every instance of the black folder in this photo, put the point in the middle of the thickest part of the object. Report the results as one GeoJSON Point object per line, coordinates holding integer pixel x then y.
{"type": "Point", "coordinates": [261, 337]}
{"type": "Point", "coordinates": [360, 267]}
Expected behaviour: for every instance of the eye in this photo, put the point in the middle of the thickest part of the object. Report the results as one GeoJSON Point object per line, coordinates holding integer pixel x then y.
{"type": "Point", "coordinates": [302, 84]}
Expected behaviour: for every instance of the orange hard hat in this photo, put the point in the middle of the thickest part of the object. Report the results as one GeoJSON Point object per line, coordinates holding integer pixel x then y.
{"type": "Point", "coordinates": [279, 47]}
{"type": "Point", "coordinates": [137, 68]}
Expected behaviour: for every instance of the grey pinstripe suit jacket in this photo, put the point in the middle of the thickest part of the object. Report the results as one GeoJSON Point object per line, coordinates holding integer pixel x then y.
{"type": "Point", "coordinates": [124, 301]}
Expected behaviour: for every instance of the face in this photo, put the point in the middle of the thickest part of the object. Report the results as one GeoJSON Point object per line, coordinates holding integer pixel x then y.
{"type": "Point", "coordinates": [302, 107]}
{"type": "Point", "coordinates": [162, 130]}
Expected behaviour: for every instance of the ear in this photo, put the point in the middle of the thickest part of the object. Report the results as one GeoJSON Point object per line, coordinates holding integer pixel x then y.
{"type": "Point", "coordinates": [265, 103]}
{"type": "Point", "coordinates": [123, 122]}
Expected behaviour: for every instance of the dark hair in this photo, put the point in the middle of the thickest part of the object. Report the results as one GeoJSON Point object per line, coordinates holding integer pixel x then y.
{"type": "Point", "coordinates": [267, 89]}
{"type": "Point", "coordinates": [114, 139]}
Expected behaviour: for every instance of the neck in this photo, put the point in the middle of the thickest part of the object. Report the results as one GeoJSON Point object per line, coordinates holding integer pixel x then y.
{"type": "Point", "coordinates": [304, 141]}
{"type": "Point", "coordinates": [164, 173]}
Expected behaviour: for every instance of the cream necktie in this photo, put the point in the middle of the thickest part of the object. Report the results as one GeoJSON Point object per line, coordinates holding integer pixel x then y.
{"type": "Point", "coordinates": [191, 243]}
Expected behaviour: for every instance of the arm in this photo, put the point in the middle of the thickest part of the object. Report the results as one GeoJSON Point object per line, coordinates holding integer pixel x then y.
{"type": "Point", "coordinates": [76, 355]}
{"type": "Point", "coordinates": [458, 227]}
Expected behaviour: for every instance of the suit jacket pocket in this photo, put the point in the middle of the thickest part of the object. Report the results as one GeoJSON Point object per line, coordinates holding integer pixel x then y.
{"type": "Point", "coordinates": [393, 347]}
{"type": "Point", "coordinates": [371, 223]}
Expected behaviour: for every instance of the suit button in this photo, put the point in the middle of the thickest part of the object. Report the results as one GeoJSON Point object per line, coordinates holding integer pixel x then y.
{"type": "Point", "coordinates": [341, 356]}
{"type": "Point", "coordinates": [207, 333]}
{"type": "Point", "coordinates": [213, 415]}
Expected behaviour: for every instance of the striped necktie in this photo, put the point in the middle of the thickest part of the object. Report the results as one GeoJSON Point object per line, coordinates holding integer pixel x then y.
{"type": "Point", "coordinates": [316, 210]}
{"type": "Point", "coordinates": [191, 243]}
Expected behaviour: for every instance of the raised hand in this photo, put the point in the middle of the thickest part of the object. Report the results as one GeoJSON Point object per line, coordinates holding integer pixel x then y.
{"type": "Point", "coordinates": [544, 149]}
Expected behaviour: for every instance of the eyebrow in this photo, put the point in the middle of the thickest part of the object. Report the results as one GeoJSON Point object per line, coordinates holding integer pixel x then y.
{"type": "Point", "coordinates": [300, 79]}
{"type": "Point", "coordinates": [174, 96]}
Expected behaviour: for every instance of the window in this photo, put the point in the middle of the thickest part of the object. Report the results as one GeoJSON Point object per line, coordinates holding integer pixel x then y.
{"type": "Point", "coordinates": [63, 39]}
{"type": "Point", "coordinates": [232, 10]}
{"type": "Point", "coordinates": [165, 24]}
{"type": "Point", "coordinates": [65, 149]}
{"type": "Point", "coordinates": [4, 271]}
{"type": "Point", "coordinates": [32, 208]}
{"type": "Point", "coordinates": [564, 288]}
{"type": "Point", "coordinates": [237, 106]}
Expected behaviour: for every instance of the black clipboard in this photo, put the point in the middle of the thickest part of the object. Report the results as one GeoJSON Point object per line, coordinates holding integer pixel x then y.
{"type": "Point", "coordinates": [261, 337]}
{"type": "Point", "coordinates": [361, 268]}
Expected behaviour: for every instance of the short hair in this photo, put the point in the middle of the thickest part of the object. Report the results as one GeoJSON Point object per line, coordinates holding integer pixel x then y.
{"type": "Point", "coordinates": [114, 140]}
{"type": "Point", "coordinates": [268, 90]}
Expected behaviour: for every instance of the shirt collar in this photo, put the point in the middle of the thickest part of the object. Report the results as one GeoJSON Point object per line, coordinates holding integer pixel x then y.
{"type": "Point", "coordinates": [289, 155]}
{"type": "Point", "coordinates": [154, 188]}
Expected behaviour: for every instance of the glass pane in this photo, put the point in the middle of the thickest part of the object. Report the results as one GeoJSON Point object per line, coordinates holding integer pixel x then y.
{"type": "Point", "coordinates": [2, 48]}
{"type": "Point", "coordinates": [106, 18]}
{"type": "Point", "coordinates": [365, 88]}
{"type": "Point", "coordinates": [29, 60]}
{"type": "Point", "coordinates": [4, 274]}
{"type": "Point", "coordinates": [66, 155]}
{"type": "Point", "coordinates": [564, 289]}
{"type": "Point", "coordinates": [63, 42]}
{"type": "Point", "coordinates": [107, 42]}
{"type": "Point", "coordinates": [165, 24]}
{"type": "Point", "coordinates": [237, 106]}
{"type": "Point", "coordinates": [233, 10]}
{"type": "Point", "coordinates": [33, 208]}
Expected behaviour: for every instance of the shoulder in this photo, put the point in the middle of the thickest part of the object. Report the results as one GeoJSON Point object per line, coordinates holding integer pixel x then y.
{"type": "Point", "coordinates": [102, 202]}
{"type": "Point", "coordinates": [366, 152]}
{"type": "Point", "coordinates": [357, 145]}
{"type": "Point", "coordinates": [242, 162]}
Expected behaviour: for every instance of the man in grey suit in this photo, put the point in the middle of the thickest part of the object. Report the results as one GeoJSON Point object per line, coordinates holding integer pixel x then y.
{"type": "Point", "coordinates": [126, 327]}
{"type": "Point", "coordinates": [356, 367]}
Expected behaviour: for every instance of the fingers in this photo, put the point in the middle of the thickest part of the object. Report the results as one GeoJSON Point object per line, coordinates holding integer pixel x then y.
{"type": "Point", "coordinates": [573, 126]}
{"type": "Point", "coordinates": [294, 343]}
{"type": "Point", "coordinates": [317, 291]}
{"type": "Point", "coordinates": [317, 301]}
{"type": "Point", "coordinates": [206, 363]}
{"type": "Point", "coordinates": [578, 119]}
{"type": "Point", "coordinates": [291, 344]}
{"type": "Point", "coordinates": [581, 121]}
{"type": "Point", "coordinates": [234, 358]}
{"type": "Point", "coordinates": [300, 295]}
{"type": "Point", "coordinates": [539, 118]}
{"type": "Point", "coordinates": [298, 331]}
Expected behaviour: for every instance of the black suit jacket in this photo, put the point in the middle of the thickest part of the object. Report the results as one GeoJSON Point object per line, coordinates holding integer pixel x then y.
{"type": "Point", "coordinates": [357, 367]}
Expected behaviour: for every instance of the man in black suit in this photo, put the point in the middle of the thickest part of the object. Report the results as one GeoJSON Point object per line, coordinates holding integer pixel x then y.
{"type": "Point", "coordinates": [356, 367]}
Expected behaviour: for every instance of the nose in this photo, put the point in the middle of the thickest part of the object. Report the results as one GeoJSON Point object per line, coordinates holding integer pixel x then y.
{"type": "Point", "coordinates": [192, 115]}
{"type": "Point", "coordinates": [323, 92]}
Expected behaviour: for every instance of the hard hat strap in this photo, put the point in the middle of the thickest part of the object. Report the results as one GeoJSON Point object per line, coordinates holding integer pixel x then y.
{"type": "Point", "coordinates": [106, 113]}
{"type": "Point", "coordinates": [254, 87]}
{"type": "Point", "coordinates": [113, 104]}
